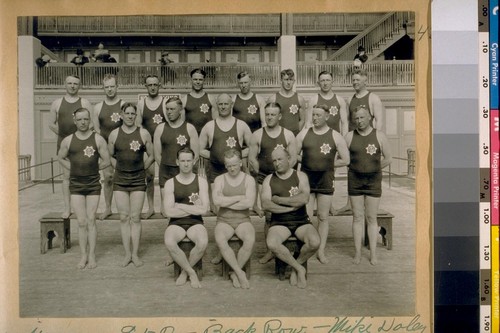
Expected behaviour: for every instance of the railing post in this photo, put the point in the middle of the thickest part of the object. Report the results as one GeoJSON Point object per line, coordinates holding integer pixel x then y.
{"type": "Point", "coordinates": [52, 173]}
{"type": "Point", "coordinates": [411, 162]}
{"type": "Point", "coordinates": [393, 70]}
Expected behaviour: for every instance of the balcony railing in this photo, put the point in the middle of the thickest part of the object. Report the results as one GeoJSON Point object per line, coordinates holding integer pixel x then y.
{"type": "Point", "coordinates": [223, 75]}
{"type": "Point", "coordinates": [261, 24]}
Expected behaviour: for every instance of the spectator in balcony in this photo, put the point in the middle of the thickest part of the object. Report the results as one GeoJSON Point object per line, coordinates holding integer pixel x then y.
{"type": "Point", "coordinates": [199, 107]}
{"type": "Point", "coordinates": [369, 154]}
{"type": "Point", "coordinates": [80, 59]}
{"type": "Point", "coordinates": [151, 113]}
{"type": "Point", "coordinates": [43, 60]}
{"type": "Point", "coordinates": [99, 53]}
{"type": "Point", "coordinates": [165, 60]}
{"type": "Point", "coordinates": [168, 74]}
{"type": "Point", "coordinates": [361, 55]}
{"type": "Point", "coordinates": [293, 112]}
{"type": "Point", "coordinates": [248, 106]}
{"type": "Point", "coordinates": [62, 124]}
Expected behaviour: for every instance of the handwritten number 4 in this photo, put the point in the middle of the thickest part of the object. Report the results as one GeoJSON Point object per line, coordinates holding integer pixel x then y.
{"type": "Point", "coordinates": [421, 32]}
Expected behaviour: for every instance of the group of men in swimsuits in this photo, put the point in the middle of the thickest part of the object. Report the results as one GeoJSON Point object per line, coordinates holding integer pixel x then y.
{"type": "Point", "coordinates": [277, 157]}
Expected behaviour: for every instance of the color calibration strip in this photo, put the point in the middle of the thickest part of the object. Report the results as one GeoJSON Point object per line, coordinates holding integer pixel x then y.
{"type": "Point", "coordinates": [494, 172]}
{"type": "Point", "coordinates": [456, 159]}
{"type": "Point", "coordinates": [485, 214]}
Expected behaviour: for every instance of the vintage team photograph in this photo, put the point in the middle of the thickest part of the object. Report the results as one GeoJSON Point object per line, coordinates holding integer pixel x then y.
{"type": "Point", "coordinates": [225, 165]}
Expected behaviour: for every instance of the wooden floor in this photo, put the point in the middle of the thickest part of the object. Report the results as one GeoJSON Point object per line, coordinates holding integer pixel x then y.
{"type": "Point", "coordinates": [52, 286]}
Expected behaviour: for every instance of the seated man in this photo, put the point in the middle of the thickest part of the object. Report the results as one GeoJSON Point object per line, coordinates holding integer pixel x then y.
{"type": "Point", "coordinates": [186, 199]}
{"type": "Point", "coordinates": [285, 194]}
{"type": "Point", "coordinates": [234, 194]}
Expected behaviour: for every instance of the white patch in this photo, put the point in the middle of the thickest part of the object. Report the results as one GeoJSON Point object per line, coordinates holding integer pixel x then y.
{"type": "Point", "coordinates": [371, 149]}
{"type": "Point", "coordinates": [294, 109]}
{"type": "Point", "coordinates": [181, 140]}
{"type": "Point", "coordinates": [279, 146]}
{"type": "Point", "coordinates": [294, 190]}
{"type": "Point", "coordinates": [334, 110]}
{"type": "Point", "coordinates": [325, 148]}
{"type": "Point", "coordinates": [157, 119]}
{"type": "Point", "coordinates": [193, 198]}
{"type": "Point", "coordinates": [231, 142]}
{"type": "Point", "coordinates": [135, 145]}
{"type": "Point", "coordinates": [252, 109]}
{"type": "Point", "coordinates": [89, 151]}
{"type": "Point", "coordinates": [204, 108]}
{"type": "Point", "coordinates": [115, 117]}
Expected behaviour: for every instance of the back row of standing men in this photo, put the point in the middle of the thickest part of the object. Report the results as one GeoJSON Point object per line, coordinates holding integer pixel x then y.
{"type": "Point", "coordinates": [210, 126]}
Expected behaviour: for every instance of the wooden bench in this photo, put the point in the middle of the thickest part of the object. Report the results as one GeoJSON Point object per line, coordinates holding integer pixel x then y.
{"type": "Point", "coordinates": [55, 223]}
{"type": "Point", "coordinates": [235, 244]}
{"type": "Point", "coordinates": [280, 267]}
{"type": "Point", "coordinates": [384, 220]}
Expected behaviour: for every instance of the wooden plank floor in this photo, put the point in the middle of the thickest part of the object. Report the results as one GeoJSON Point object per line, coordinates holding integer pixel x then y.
{"type": "Point", "coordinates": [52, 286]}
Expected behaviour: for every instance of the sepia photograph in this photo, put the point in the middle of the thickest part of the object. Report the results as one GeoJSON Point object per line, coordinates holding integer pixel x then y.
{"type": "Point", "coordinates": [217, 165]}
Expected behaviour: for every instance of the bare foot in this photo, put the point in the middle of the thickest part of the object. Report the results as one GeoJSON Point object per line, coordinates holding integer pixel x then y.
{"type": "Point", "coordinates": [322, 257]}
{"type": "Point", "coordinates": [195, 283]}
{"type": "Point", "coordinates": [217, 259]}
{"type": "Point", "coordinates": [267, 257]}
{"type": "Point", "coordinates": [92, 263]}
{"type": "Point", "coordinates": [65, 214]}
{"type": "Point", "coordinates": [105, 214]}
{"type": "Point", "coordinates": [168, 260]}
{"type": "Point", "coordinates": [147, 215]}
{"type": "Point", "coordinates": [82, 263]}
{"type": "Point", "coordinates": [373, 260]}
{"type": "Point", "coordinates": [357, 259]}
{"type": "Point", "coordinates": [301, 278]}
{"type": "Point", "coordinates": [182, 279]}
{"type": "Point", "coordinates": [234, 278]}
{"type": "Point", "coordinates": [126, 260]}
{"type": "Point", "coordinates": [293, 278]}
{"type": "Point", "coordinates": [137, 262]}
{"type": "Point", "coordinates": [242, 277]}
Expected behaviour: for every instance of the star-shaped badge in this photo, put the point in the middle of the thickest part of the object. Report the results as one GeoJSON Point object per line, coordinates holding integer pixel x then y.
{"type": "Point", "coordinates": [89, 151]}
{"type": "Point", "coordinates": [294, 109]}
{"type": "Point", "coordinates": [294, 190]}
{"type": "Point", "coordinates": [135, 145]}
{"type": "Point", "coordinates": [252, 109]}
{"type": "Point", "coordinates": [181, 140]}
{"type": "Point", "coordinates": [204, 108]}
{"type": "Point", "coordinates": [371, 149]}
{"type": "Point", "coordinates": [194, 197]}
{"type": "Point", "coordinates": [325, 148]}
{"type": "Point", "coordinates": [157, 119]}
{"type": "Point", "coordinates": [231, 142]}
{"type": "Point", "coordinates": [334, 110]}
{"type": "Point", "coordinates": [279, 146]}
{"type": "Point", "coordinates": [115, 117]}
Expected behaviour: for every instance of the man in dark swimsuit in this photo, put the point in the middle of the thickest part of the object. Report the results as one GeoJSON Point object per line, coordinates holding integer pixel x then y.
{"type": "Point", "coordinates": [285, 194]}
{"type": "Point", "coordinates": [83, 154]}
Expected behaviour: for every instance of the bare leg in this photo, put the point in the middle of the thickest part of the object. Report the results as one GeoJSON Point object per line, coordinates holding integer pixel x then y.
{"type": "Point", "coordinates": [123, 205]}
{"type": "Point", "coordinates": [108, 191]}
{"type": "Point", "coordinates": [136, 203]}
{"type": "Point", "coordinates": [173, 235]}
{"type": "Point", "coordinates": [92, 203]}
{"type": "Point", "coordinates": [268, 255]}
{"type": "Point", "coordinates": [168, 259]}
{"type": "Point", "coordinates": [198, 234]}
{"type": "Point", "coordinates": [78, 204]}
{"type": "Point", "coordinates": [150, 191]}
{"type": "Point", "coordinates": [324, 203]}
{"type": "Point", "coordinates": [308, 234]}
{"type": "Point", "coordinates": [66, 194]}
{"type": "Point", "coordinates": [358, 209]}
{"type": "Point", "coordinates": [371, 210]}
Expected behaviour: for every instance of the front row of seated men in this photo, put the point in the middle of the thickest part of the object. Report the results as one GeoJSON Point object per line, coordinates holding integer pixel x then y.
{"type": "Point", "coordinates": [284, 194]}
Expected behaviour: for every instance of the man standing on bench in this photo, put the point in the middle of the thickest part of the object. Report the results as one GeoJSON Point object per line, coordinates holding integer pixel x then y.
{"type": "Point", "coordinates": [127, 145]}
{"type": "Point", "coordinates": [186, 199]}
{"type": "Point", "coordinates": [83, 154]}
{"type": "Point", "coordinates": [369, 154]}
{"type": "Point", "coordinates": [285, 194]}
{"type": "Point", "coordinates": [319, 145]}
{"type": "Point", "coordinates": [62, 123]}
{"type": "Point", "coordinates": [234, 194]}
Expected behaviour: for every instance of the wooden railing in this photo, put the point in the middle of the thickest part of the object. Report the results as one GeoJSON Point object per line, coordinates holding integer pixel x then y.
{"type": "Point", "coordinates": [268, 24]}
{"type": "Point", "coordinates": [223, 75]}
{"type": "Point", "coordinates": [378, 33]}
{"type": "Point", "coordinates": [383, 73]}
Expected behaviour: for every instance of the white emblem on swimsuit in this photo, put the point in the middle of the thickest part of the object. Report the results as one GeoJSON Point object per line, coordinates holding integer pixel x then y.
{"type": "Point", "coordinates": [194, 197]}
{"type": "Point", "coordinates": [204, 108]}
{"type": "Point", "coordinates": [334, 110]}
{"type": "Point", "coordinates": [279, 146]}
{"type": "Point", "coordinates": [294, 190]}
{"type": "Point", "coordinates": [325, 148]}
{"type": "Point", "coordinates": [371, 149]}
{"type": "Point", "coordinates": [115, 117]}
{"type": "Point", "coordinates": [181, 140]}
{"type": "Point", "coordinates": [157, 119]}
{"type": "Point", "coordinates": [135, 145]}
{"type": "Point", "coordinates": [252, 109]}
{"type": "Point", "coordinates": [231, 142]}
{"type": "Point", "coordinates": [294, 109]}
{"type": "Point", "coordinates": [89, 151]}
